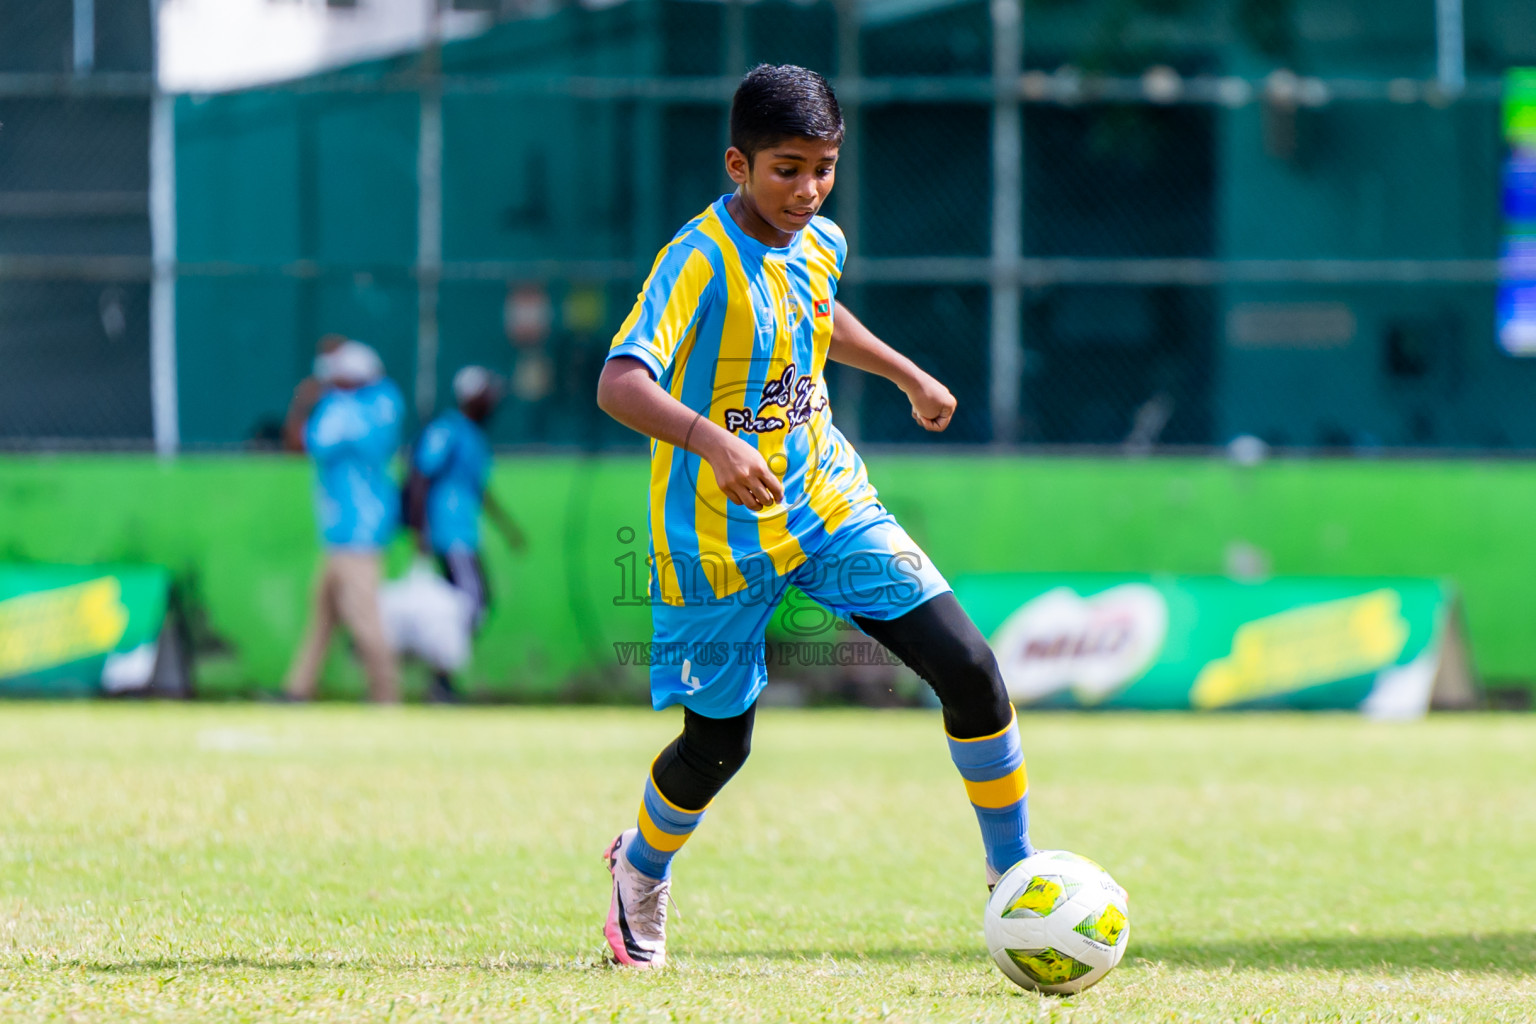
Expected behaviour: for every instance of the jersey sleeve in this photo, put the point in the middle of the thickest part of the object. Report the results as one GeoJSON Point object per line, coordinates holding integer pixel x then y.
{"type": "Point", "coordinates": [667, 309]}
{"type": "Point", "coordinates": [434, 449]}
{"type": "Point", "coordinates": [831, 237]}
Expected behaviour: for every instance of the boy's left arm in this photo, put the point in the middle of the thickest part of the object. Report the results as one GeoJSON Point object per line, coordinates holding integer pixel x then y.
{"type": "Point", "coordinates": [510, 532]}
{"type": "Point", "coordinates": [415, 507]}
{"type": "Point", "coordinates": [855, 345]}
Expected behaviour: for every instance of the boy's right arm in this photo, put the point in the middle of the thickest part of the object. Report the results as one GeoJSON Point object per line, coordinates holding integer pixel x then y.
{"type": "Point", "coordinates": [305, 397]}
{"type": "Point", "coordinates": [627, 392]}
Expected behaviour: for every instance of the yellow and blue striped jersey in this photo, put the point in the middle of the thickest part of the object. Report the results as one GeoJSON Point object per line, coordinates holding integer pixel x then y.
{"type": "Point", "coordinates": [739, 331]}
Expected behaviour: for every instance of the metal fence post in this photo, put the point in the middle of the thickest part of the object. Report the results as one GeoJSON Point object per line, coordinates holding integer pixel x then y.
{"type": "Point", "coordinates": [735, 31]}
{"type": "Point", "coordinates": [1007, 211]}
{"type": "Point", "coordinates": [429, 214]}
{"type": "Point", "coordinates": [84, 48]}
{"type": "Point", "coordinates": [1450, 47]}
{"type": "Point", "coordinates": [851, 193]}
{"type": "Point", "coordinates": [163, 403]}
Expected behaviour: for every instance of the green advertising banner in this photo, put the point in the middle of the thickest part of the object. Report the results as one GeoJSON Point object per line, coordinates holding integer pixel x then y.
{"type": "Point", "coordinates": [71, 631]}
{"type": "Point", "coordinates": [1389, 647]}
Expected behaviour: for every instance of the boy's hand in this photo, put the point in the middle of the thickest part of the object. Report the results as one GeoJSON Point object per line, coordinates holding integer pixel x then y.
{"type": "Point", "coordinates": [932, 404]}
{"type": "Point", "coordinates": [742, 473]}
{"type": "Point", "coordinates": [516, 539]}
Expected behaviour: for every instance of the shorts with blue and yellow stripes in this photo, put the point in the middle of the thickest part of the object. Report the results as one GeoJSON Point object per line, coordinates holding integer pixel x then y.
{"type": "Point", "coordinates": [710, 655]}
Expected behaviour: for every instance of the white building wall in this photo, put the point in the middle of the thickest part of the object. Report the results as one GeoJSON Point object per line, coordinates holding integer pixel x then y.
{"type": "Point", "coordinates": [213, 45]}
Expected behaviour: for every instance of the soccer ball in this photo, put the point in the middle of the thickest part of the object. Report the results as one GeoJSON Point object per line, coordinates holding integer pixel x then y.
{"type": "Point", "coordinates": [1057, 922]}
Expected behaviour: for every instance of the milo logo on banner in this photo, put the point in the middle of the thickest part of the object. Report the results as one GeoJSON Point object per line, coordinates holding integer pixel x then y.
{"type": "Point", "coordinates": [1386, 646]}
{"type": "Point", "coordinates": [1093, 646]}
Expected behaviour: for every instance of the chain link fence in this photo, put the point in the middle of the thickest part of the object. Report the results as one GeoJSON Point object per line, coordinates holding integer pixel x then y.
{"type": "Point", "coordinates": [1127, 224]}
{"type": "Point", "coordinates": [74, 226]}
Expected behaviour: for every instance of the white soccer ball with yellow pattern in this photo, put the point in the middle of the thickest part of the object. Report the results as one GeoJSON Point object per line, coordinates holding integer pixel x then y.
{"type": "Point", "coordinates": [1057, 922]}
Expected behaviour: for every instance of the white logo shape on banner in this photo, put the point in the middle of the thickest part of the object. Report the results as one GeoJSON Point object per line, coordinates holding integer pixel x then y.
{"type": "Point", "coordinates": [1093, 645]}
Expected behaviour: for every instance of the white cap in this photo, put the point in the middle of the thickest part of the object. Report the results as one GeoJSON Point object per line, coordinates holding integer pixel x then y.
{"type": "Point", "coordinates": [352, 362]}
{"type": "Point", "coordinates": [473, 381]}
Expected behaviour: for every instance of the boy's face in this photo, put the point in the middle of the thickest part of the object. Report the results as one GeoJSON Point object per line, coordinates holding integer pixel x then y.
{"type": "Point", "coordinates": [480, 408]}
{"type": "Point", "coordinates": [785, 183]}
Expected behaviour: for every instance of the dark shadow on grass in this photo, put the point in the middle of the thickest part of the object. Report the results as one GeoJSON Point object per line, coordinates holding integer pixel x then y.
{"type": "Point", "coordinates": [883, 955]}
{"type": "Point", "coordinates": [163, 965]}
{"type": "Point", "coordinates": [1491, 952]}
{"type": "Point", "coordinates": [1505, 952]}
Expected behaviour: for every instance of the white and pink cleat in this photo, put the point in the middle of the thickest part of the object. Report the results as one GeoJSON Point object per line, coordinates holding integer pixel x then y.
{"type": "Point", "coordinates": [636, 929]}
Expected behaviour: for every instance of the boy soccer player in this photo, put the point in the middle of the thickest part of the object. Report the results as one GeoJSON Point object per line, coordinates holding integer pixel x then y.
{"type": "Point", "coordinates": [753, 489]}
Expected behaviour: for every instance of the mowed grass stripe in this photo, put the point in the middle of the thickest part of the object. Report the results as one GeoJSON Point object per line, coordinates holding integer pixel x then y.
{"type": "Point", "coordinates": [338, 863]}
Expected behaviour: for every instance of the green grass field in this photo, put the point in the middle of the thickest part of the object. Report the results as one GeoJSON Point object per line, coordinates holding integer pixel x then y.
{"type": "Point", "coordinates": [338, 863]}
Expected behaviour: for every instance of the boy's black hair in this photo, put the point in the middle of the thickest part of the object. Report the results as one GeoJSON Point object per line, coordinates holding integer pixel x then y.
{"type": "Point", "coordinates": [775, 102]}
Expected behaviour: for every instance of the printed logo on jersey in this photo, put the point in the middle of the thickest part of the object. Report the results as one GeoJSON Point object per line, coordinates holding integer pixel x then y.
{"type": "Point", "coordinates": [764, 316]}
{"type": "Point", "coordinates": [795, 395]}
{"type": "Point", "coordinates": [823, 308]}
{"type": "Point", "coordinates": [792, 314]}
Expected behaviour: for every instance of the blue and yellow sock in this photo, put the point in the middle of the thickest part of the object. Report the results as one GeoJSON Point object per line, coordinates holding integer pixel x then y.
{"type": "Point", "coordinates": [993, 770]}
{"type": "Point", "coordinates": [664, 828]}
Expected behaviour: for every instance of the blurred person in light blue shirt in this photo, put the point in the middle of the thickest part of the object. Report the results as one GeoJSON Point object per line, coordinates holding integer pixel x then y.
{"type": "Point", "coordinates": [448, 489]}
{"type": "Point", "coordinates": [352, 435]}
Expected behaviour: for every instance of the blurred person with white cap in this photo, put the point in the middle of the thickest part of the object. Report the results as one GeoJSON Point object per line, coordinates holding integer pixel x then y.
{"type": "Point", "coordinates": [448, 489]}
{"type": "Point", "coordinates": [307, 394]}
{"type": "Point", "coordinates": [352, 434]}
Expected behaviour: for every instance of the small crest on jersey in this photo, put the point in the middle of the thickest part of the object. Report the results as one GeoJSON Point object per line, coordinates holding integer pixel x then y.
{"type": "Point", "coordinates": [823, 307]}
{"type": "Point", "coordinates": [792, 313]}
